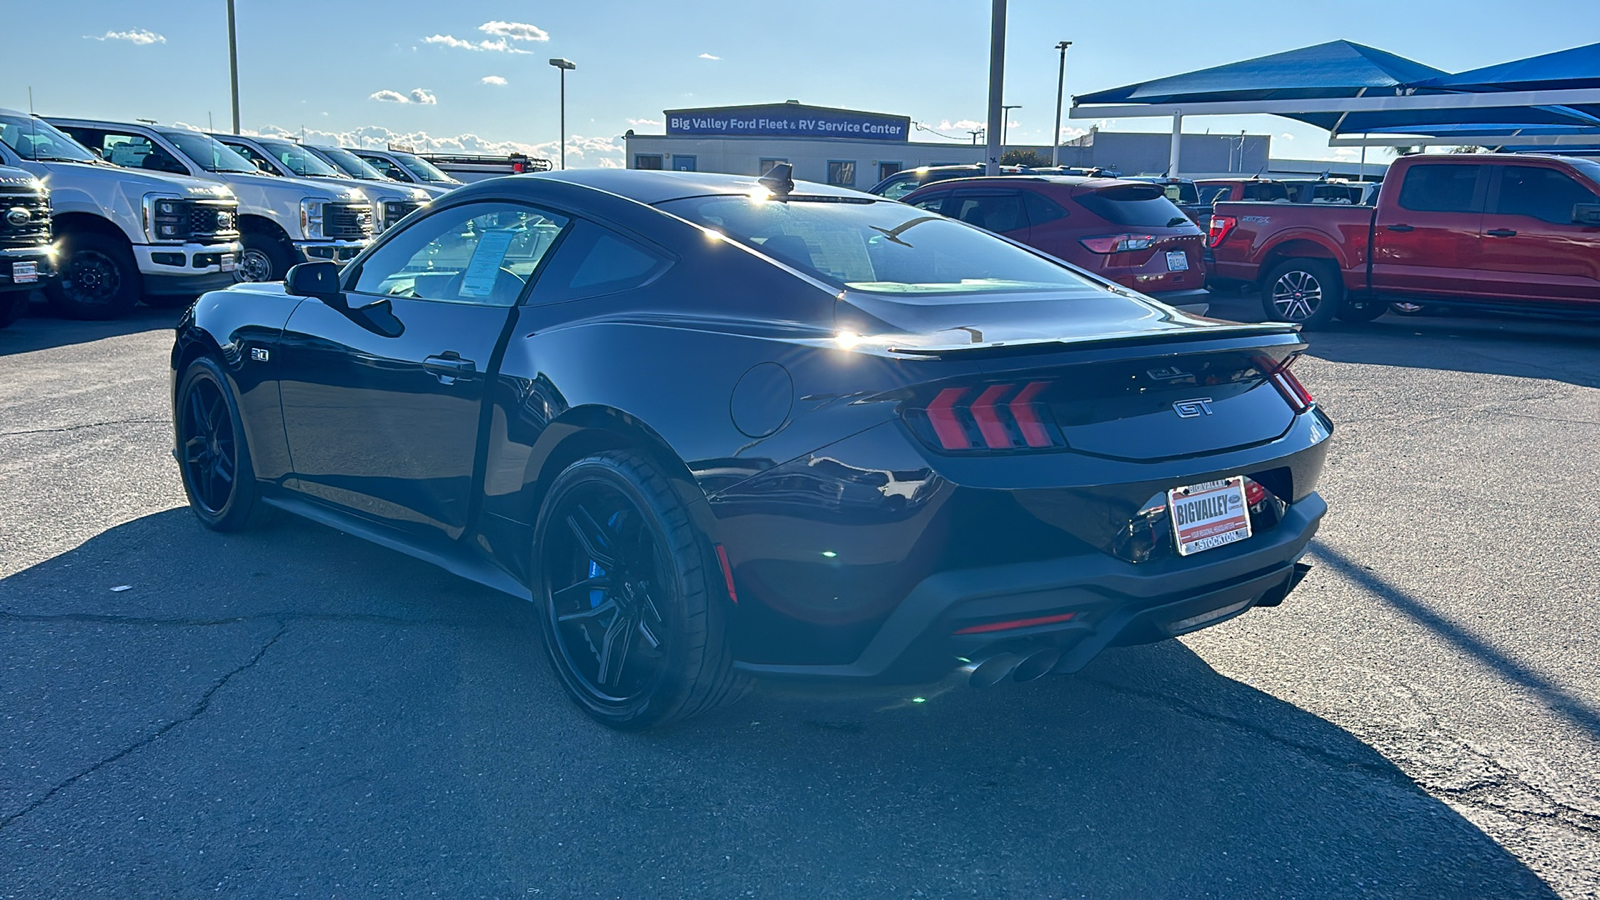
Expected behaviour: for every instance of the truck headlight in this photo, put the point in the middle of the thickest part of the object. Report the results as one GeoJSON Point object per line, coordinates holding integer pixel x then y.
{"type": "Point", "coordinates": [311, 218]}
{"type": "Point", "coordinates": [166, 219]}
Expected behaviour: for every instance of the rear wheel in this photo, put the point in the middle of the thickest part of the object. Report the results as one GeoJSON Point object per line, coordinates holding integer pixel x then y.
{"type": "Point", "coordinates": [212, 453]}
{"type": "Point", "coordinates": [633, 622]}
{"type": "Point", "coordinates": [264, 258]}
{"type": "Point", "coordinates": [1305, 291]}
{"type": "Point", "coordinates": [99, 278]}
{"type": "Point", "coordinates": [1361, 310]}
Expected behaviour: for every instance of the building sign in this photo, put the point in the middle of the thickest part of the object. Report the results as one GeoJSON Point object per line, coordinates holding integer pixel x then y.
{"type": "Point", "coordinates": [788, 120]}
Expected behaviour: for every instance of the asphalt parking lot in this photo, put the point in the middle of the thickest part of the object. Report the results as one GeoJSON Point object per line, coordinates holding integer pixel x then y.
{"type": "Point", "coordinates": [298, 713]}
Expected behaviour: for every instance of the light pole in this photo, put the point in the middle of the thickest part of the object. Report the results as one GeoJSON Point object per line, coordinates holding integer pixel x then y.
{"type": "Point", "coordinates": [233, 65]}
{"type": "Point", "coordinates": [1005, 113]}
{"type": "Point", "coordinates": [563, 65]}
{"type": "Point", "coordinates": [1061, 83]}
{"type": "Point", "coordinates": [997, 79]}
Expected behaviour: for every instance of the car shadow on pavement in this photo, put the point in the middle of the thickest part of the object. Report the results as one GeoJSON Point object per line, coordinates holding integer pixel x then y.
{"type": "Point", "coordinates": [40, 330]}
{"type": "Point", "coordinates": [297, 711]}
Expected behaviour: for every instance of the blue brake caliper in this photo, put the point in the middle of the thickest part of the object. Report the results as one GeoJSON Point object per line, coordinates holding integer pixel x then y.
{"type": "Point", "coordinates": [596, 595]}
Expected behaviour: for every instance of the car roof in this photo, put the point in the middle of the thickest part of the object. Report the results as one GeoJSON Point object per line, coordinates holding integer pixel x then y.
{"type": "Point", "coordinates": [658, 186]}
{"type": "Point", "coordinates": [1092, 182]}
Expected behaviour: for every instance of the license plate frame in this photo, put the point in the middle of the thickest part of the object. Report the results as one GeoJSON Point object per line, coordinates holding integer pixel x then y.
{"type": "Point", "coordinates": [24, 273]}
{"type": "Point", "coordinates": [1177, 261]}
{"type": "Point", "coordinates": [1208, 515]}
{"type": "Point", "coordinates": [227, 262]}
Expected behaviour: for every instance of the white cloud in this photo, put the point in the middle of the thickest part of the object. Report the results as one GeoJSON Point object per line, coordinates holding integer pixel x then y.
{"type": "Point", "coordinates": [1287, 136]}
{"type": "Point", "coordinates": [493, 79]}
{"type": "Point", "coordinates": [961, 125]}
{"type": "Point", "coordinates": [499, 46]}
{"type": "Point", "coordinates": [581, 151]}
{"type": "Point", "coordinates": [140, 36]}
{"type": "Point", "coordinates": [426, 98]}
{"type": "Point", "coordinates": [641, 123]}
{"type": "Point", "coordinates": [709, 56]}
{"type": "Point", "coordinates": [516, 31]}
{"type": "Point", "coordinates": [417, 95]}
{"type": "Point", "coordinates": [389, 97]}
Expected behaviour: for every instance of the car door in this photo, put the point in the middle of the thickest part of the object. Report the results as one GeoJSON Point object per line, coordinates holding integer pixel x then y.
{"type": "Point", "coordinates": [1531, 248]}
{"type": "Point", "coordinates": [1426, 242]}
{"type": "Point", "coordinates": [999, 210]}
{"type": "Point", "coordinates": [383, 394]}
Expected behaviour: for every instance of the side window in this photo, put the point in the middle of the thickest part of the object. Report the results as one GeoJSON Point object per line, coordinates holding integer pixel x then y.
{"type": "Point", "coordinates": [1440, 187]}
{"type": "Point", "coordinates": [593, 261]}
{"type": "Point", "coordinates": [902, 187]}
{"type": "Point", "coordinates": [479, 253]}
{"type": "Point", "coordinates": [138, 152]}
{"type": "Point", "coordinates": [385, 167]}
{"type": "Point", "coordinates": [255, 157]}
{"type": "Point", "coordinates": [998, 212]}
{"type": "Point", "coordinates": [1214, 194]}
{"type": "Point", "coordinates": [1540, 193]}
{"type": "Point", "coordinates": [932, 202]}
{"type": "Point", "coordinates": [1042, 209]}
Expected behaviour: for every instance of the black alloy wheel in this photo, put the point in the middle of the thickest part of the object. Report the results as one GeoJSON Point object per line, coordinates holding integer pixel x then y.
{"type": "Point", "coordinates": [99, 278]}
{"type": "Point", "coordinates": [633, 619]}
{"type": "Point", "coordinates": [263, 258]}
{"type": "Point", "coordinates": [1307, 292]}
{"type": "Point", "coordinates": [212, 453]}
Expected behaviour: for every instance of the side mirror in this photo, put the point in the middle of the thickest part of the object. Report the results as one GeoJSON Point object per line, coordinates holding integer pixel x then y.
{"type": "Point", "coordinates": [1586, 214]}
{"type": "Point", "coordinates": [314, 279]}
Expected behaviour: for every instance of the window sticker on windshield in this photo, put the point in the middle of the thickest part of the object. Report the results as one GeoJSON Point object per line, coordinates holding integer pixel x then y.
{"type": "Point", "coordinates": [479, 278]}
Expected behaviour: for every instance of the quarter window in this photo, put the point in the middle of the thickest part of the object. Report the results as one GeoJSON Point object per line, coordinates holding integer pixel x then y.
{"type": "Point", "coordinates": [1540, 193]}
{"type": "Point", "coordinates": [842, 173]}
{"type": "Point", "coordinates": [594, 261]}
{"type": "Point", "coordinates": [1042, 209]}
{"type": "Point", "coordinates": [1440, 187]}
{"type": "Point", "coordinates": [481, 253]}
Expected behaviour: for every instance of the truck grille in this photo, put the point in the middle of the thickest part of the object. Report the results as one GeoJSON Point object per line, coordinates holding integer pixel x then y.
{"type": "Point", "coordinates": [214, 221]}
{"type": "Point", "coordinates": [32, 232]}
{"type": "Point", "coordinates": [347, 221]}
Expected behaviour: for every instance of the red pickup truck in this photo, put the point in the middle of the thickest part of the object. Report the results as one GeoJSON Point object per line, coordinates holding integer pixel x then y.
{"type": "Point", "coordinates": [1503, 231]}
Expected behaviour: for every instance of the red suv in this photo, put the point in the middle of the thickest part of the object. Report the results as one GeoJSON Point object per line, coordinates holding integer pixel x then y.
{"type": "Point", "coordinates": [1123, 231]}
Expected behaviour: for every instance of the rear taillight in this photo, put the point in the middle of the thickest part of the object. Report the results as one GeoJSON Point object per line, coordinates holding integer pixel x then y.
{"type": "Point", "coordinates": [1221, 227]}
{"type": "Point", "coordinates": [990, 417]}
{"type": "Point", "coordinates": [1293, 391]}
{"type": "Point", "coordinates": [1118, 243]}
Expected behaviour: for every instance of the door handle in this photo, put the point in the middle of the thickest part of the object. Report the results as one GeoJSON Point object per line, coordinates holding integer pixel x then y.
{"type": "Point", "coordinates": [449, 366]}
{"type": "Point", "coordinates": [1401, 228]}
{"type": "Point", "coordinates": [1500, 232]}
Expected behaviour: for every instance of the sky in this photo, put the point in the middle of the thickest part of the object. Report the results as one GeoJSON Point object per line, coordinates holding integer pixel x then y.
{"type": "Point", "coordinates": [472, 75]}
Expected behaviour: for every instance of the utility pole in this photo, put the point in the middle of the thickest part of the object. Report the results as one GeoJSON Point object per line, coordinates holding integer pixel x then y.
{"type": "Point", "coordinates": [1061, 83]}
{"type": "Point", "coordinates": [1005, 119]}
{"type": "Point", "coordinates": [997, 79]}
{"type": "Point", "coordinates": [564, 65]}
{"type": "Point", "coordinates": [233, 65]}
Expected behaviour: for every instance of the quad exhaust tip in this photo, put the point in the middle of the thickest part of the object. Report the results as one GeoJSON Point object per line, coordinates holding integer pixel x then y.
{"type": "Point", "coordinates": [1024, 665]}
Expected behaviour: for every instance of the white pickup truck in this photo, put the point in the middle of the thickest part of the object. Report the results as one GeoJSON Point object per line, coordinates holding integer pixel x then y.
{"type": "Point", "coordinates": [280, 156]}
{"type": "Point", "coordinates": [122, 233]}
{"type": "Point", "coordinates": [282, 221]}
{"type": "Point", "coordinates": [25, 251]}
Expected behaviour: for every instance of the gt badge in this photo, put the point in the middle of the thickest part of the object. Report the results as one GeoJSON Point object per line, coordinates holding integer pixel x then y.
{"type": "Point", "coordinates": [1189, 409]}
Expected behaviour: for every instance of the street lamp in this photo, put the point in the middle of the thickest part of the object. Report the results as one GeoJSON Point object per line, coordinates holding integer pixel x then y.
{"type": "Point", "coordinates": [563, 65]}
{"type": "Point", "coordinates": [1061, 83]}
{"type": "Point", "coordinates": [233, 65]}
{"type": "Point", "coordinates": [1005, 113]}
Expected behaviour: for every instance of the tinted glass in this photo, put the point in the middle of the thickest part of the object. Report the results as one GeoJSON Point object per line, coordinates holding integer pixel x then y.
{"type": "Point", "coordinates": [931, 202]}
{"type": "Point", "coordinates": [207, 152]}
{"type": "Point", "coordinates": [133, 151]}
{"type": "Point", "coordinates": [254, 156]}
{"type": "Point", "coordinates": [423, 170]}
{"type": "Point", "coordinates": [877, 245]}
{"type": "Point", "coordinates": [1589, 167]}
{"type": "Point", "coordinates": [901, 188]}
{"type": "Point", "coordinates": [1440, 188]}
{"type": "Point", "coordinates": [1136, 205]}
{"type": "Point", "coordinates": [1541, 193]}
{"type": "Point", "coordinates": [1265, 192]}
{"type": "Point", "coordinates": [299, 160]}
{"type": "Point", "coordinates": [350, 164]}
{"type": "Point", "coordinates": [1214, 194]}
{"type": "Point", "coordinates": [594, 261]}
{"type": "Point", "coordinates": [388, 168]}
{"type": "Point", "coordinates": [1042, 209]}
{"type": "Point", "coordinates": [32, 138]}
{"type": "Point", "coordinates": [999, 212]}
{"type": "Point", "coordinates": [480, 253]}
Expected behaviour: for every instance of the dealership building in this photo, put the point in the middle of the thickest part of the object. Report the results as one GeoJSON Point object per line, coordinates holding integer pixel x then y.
{"type": "Point", "coordinates": [852, 148]}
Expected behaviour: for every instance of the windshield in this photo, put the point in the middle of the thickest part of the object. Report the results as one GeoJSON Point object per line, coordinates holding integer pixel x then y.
{"type": "Point", "coordinates": [876, 245]}
{"type": "Point", "coordinates": [298, 159]}
{"type": "Point", "coordinates": [1588, 167]}
{"type": "Point", "coordinates": [208, 153]}
{"type": "Point", "coordinates": [36, 139]}
{"type": "Point", "coordinates": [423, 170]}
{"type": "Point", "coordinates": [350, 164]}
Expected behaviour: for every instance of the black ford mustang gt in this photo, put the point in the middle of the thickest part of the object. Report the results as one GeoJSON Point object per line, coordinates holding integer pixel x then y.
{"type": "Point", "coordinates": [718, 427]}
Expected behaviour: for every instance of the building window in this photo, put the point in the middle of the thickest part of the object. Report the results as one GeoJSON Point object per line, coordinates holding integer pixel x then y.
{"type": "Point", "coordinates": [681, 163]}
{"type": "Point", "coordinates": [842, 173]}
{"type": "Point", "coordinates": [647, 161]}
{"type": "Point", "coordinates": [885, 169]}
{"type": "Point", "coordinates": [767, 164]}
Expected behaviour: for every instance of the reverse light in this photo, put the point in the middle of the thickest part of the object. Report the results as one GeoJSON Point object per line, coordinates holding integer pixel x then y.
{"type": "Point", "coordinates": [996, 417]}
{"type": "Point", "coordinates": [1118, 243]}
{"type": "Point", "coordinates": [1220, 228]}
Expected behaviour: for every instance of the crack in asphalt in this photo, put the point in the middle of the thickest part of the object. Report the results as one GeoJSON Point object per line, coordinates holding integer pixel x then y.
{"type": "Point", "coordinates": [62, 428]}
{"type": "Point", "coordinates": [281, 617]}
{"type": "Point", "coordinates": [200, 707]}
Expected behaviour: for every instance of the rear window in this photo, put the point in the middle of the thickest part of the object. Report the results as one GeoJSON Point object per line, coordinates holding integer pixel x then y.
{"type": "Point", "coordinates": [1135, 205]}
{"type": "Point", "coordinates": [1266, 192]}
{"type": "Point", "coordinates": [876, 245]}
{"type": "Point", "coordinates": [1211, 195]}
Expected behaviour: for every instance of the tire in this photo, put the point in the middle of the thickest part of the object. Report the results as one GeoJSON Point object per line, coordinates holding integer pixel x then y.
{"type": "Point", "coordinates": [263, 258]}
{"type": "Point", "coordinates": [213, 456]}
{"type": "Point", "coordinates": [98, 278]}
{"type": "Point", "coordinates": [13, 306]}
{"type": "Point", "coordinates": [620, 566]}
{"type": "Point", "coordinates": [169, 301]}
{"type": "Point", "coordinates": [1304, 291]}
{"type": "Point", "coordinates": [1357, 311]}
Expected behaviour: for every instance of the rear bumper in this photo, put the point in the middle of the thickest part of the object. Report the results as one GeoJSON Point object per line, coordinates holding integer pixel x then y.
{"type": "Point", "coordinates": [1110, 602]}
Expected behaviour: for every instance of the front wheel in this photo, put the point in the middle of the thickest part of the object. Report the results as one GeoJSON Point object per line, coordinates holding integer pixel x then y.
{"type": "Point", "coordinates": [633, 620]}
{"type": "Point", "coordinates": [212, 453]}
{"type": "Point", "coordinates": [263, 258]}
{"type": "Point", "coordinates": [1305, 291]}
{"type": "Point", "coordinates": [99, 278]}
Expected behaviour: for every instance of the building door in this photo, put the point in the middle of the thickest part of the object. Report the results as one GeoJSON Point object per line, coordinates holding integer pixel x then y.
{"type": "Point", "coordinates": [681, 163]}
{"type": "Point", "coordinates": [885, 169]}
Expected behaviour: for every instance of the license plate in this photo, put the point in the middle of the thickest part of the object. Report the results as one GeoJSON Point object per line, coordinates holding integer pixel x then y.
{"type": "Point", "coordinates": [228, 262]}
{"type": "Point", "coordinates": [24, 273]}
{"type": "Point", "coordinates": [1209, 515]}
{"type": "Point", "coordinates": [1177, 261]}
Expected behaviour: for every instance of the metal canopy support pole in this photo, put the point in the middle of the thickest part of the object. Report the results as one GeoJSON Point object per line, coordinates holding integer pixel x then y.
{"type": "Point", "coordinates": [563, 120]}
{"type": "Point", "coordinates": [997, 77]}
{"type": "Point", "coordinates": [1061, 84]}
{"type": "Point", "coordinates": [1177, 145]}
{"type": "Point", "coordinates": [233, 65]}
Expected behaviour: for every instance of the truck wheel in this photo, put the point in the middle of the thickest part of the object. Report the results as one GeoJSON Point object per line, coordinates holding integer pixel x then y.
{"type": "Point", "coordinates": [99, 278]}
{"type": "Point", "coordinates": [1362, 310]}
{"type": "Point", "coordinates": [264, 258]}
{"type": "Point", "coordinates": [1307, 292]}
{"type": "Point", "coordinates": [13, 304]}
